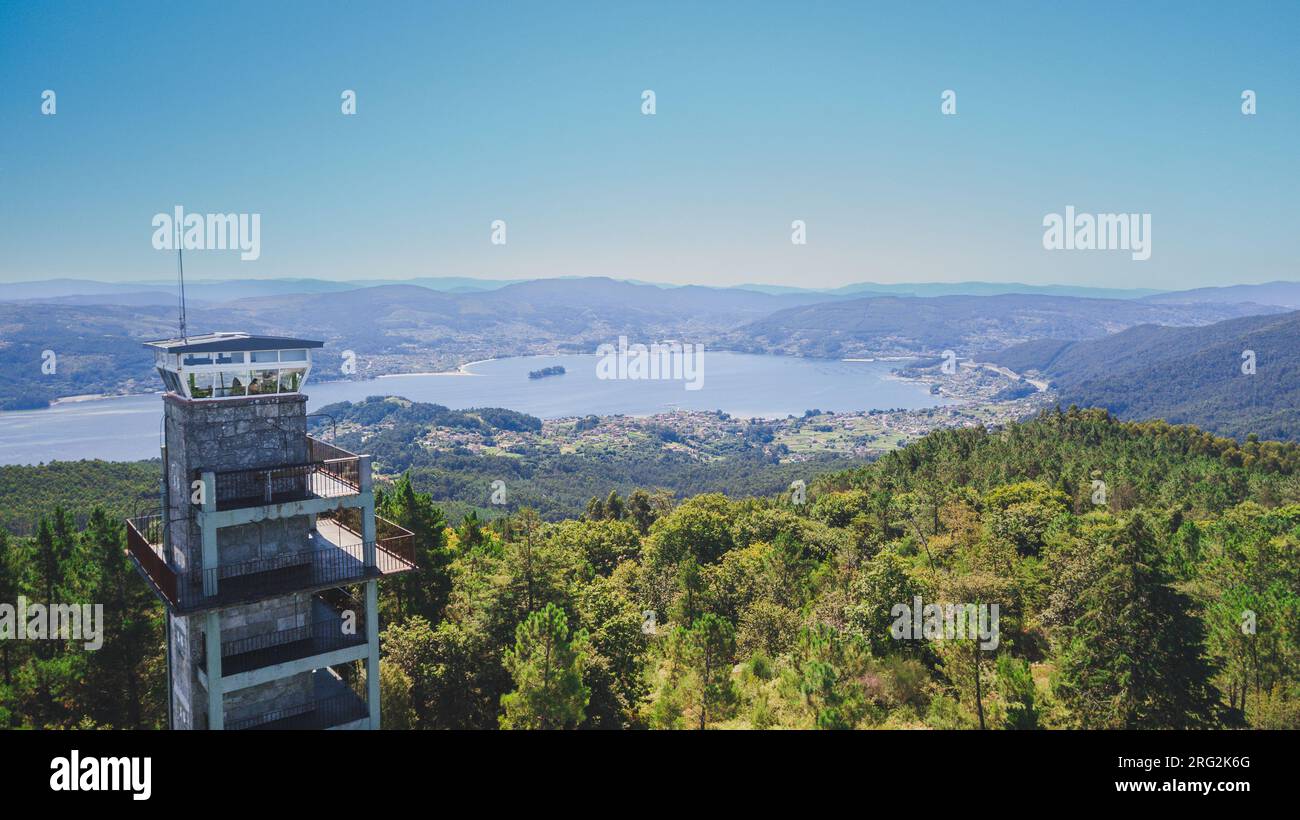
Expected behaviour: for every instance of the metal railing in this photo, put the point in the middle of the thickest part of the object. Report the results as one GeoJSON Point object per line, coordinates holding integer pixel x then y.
{"type": "Point", "coordinates": [245, 581]}
{"type": "Point", "coordinates": [259, 578]}
{"type": "Point", "coordinates": [330, 472]}
{"type": "Point", "coordinates": [322, 713]}
{"type": "Point", "coordinates": [269, 648]}
{"type": "Point", "coordinates": [144, 540]}
{"type": "Point", "coordinates": [257, 487]}
{"type": "Point", "coordinates": [394, 545]}
{"type": "Point", "coordinates": [318, 450]}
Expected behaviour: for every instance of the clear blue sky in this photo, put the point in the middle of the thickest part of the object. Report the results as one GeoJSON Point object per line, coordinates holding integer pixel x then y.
{"type": "Point", "coordinates": [530, 112]}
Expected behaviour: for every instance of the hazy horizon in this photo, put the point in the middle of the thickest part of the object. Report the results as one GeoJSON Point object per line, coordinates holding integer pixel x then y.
{"type": "Point", "coordinates": [171, 281]}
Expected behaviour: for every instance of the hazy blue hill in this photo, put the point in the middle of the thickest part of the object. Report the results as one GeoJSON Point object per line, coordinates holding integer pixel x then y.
{"type": "Point", "coordinates": [863, 289]}
{"type": "Point", "coordinates": [1280, 294]}
{"type": "Point", "coordinates": [97, 349]}
{"type": "Point", "coordinates": [966, 324]}
{"type": "Point", "coordinates": [1184, 375]}
{"type": "Point", "coordinates": [199, 290]}
{"type": "Point", "coordinates": [460, 284]}
{"type": "Point", "coordinates": [990, 289]}
{"type": "Point", "coordinates": [56, 288]}
{"type": "Point", "coordinates": [131, 298]}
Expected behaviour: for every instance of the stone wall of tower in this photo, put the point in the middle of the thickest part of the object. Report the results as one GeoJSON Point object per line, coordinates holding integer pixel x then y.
{"type": "Point", "coordinates": [235, 434]}
{"type": "Point", "coordinates": [270, 615]}
{"type": "Point", "coordinates": [232, 434]}
{"type": "Point", "coordinates": [282, 693]}
{"type": "Point", "coordinates": [277, 614]}
{"type": "Point", "coordinates": [188, 701]}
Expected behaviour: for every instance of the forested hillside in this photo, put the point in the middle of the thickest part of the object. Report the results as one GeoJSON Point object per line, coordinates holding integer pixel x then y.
{"type": "Point", "coordinates": [1127, 560]}
{"type": "Point", "coordinates": [552, 475]}
{"type": "Point", "coordinates": [29, 492]}
{"type": "Point", "coordinates": [1185, 375]}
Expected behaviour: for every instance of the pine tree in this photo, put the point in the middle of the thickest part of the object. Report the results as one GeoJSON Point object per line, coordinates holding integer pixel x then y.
{"type": "Point", "coordinates": [827, 680]}
{"type": "Point", "coordinates": [639, 509]}
{"type": "Point", "coordinates": [131, 629]}
{"type": "Point", "coordinates": [425, 591]}
{"type": "Point", "coordinates": [710, 648]}
{"type": "Point", "coordinates": [613, 506]}
{"type": "Point", "coordinates": [1135, 657]}
{"type": "Point", "coordinates": [547, 666]}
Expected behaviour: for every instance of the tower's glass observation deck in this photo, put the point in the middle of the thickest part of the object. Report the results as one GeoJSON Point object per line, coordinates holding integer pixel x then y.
{"type": "Point", "coordinates": [232, 365]}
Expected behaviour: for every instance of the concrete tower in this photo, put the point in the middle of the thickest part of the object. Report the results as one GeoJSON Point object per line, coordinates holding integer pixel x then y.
{"type": "Point", "coordinates": [267, 551]}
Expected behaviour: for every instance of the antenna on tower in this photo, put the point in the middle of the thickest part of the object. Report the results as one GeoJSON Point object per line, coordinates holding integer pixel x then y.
{"type": "Point", "coordinates": [180, 275]}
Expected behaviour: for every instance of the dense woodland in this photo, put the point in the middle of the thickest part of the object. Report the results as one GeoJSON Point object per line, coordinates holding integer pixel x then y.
{"type": "Point", "coordinates": [33, 492]}
{"type": "Point", "coordinates": [1234, 378]}
{"type": "Point", "coordinates": [1119, 609]}
{"type": "Point", "coordinates": [554, 483]}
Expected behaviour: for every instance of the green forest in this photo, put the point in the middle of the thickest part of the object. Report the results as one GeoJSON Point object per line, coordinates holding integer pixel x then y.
{"type": "Point", "coordinates": [1147, 576]}
{"type": "Point", "coordinates": [554, 483]}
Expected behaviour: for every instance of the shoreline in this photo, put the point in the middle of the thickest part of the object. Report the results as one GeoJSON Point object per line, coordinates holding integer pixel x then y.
{"type": "Point", "coordinates": [92, 397]}
{"type": "Point", "coordinates": [459, 371]}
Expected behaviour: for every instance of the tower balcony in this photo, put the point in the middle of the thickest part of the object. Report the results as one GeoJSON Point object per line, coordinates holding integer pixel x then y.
{"type": "Point", "coordinates": [333, 627]}
{"type": "Point", "coordinates": [335, 553]}
{"type": "Point", "coordinates": [332, 712]}
{"type": "Point", "coordinates": [329, 473]}
{"type": "Point", "coordinates": [333, 706]}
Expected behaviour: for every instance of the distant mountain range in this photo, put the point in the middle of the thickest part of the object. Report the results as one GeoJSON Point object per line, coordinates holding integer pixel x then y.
{"type": "Point", "coordinates": [1281, 294]}
{"type": "Point", "coordinates": [963, 289]}
{"type": "Point", "coordinates": [163, 292]}
{"type": "Point", "coordinates": [1188, 375]}
{"type": "Point", "coordinates": [903, 325]}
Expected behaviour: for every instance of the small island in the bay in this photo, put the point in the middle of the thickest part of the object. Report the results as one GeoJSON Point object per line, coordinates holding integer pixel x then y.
{"type": "Point", "coordinates": [555, 370]}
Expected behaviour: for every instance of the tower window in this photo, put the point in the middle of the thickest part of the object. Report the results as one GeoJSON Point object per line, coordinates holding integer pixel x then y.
{"type": "Point", "coordinates": [200, 385]}
{"type": "Point", "coordinates": [264, 382]}
{"type": "Point", "coordinates": [291, 380]}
